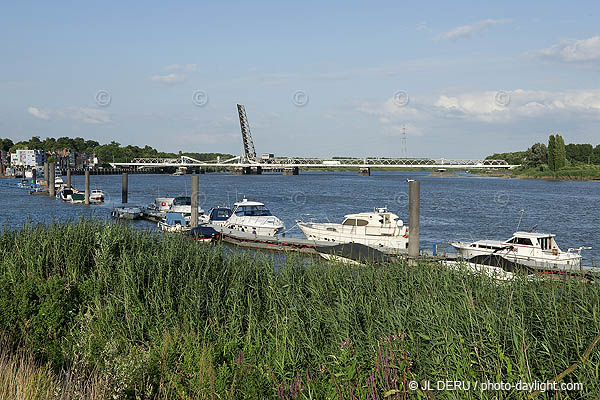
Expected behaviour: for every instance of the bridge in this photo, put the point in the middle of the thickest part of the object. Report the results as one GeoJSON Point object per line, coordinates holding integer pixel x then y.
{"type": "Point", "coordinates": [250, 163]}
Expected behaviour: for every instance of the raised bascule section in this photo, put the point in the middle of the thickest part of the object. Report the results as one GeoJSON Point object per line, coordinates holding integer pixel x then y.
{"type": "Point", "coordinates": [249, 163]}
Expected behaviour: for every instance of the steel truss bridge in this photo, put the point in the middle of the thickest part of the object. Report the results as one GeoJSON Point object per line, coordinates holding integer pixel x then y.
{"type": "Point", "coordinates": [298, 162]}
{"type": "Point", "coordinates": [250, 160]}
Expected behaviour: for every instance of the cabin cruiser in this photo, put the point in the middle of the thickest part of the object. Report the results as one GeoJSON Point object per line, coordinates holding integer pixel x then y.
{"type": "Point", "coordinates": [254, 217]}
{"type": "Point", "coordinates": [536, 251]}
{"type": "Point", "coordinates": [216, 216]}
{"type": "Point", "coordinates": [66, 194]}
{"type": "Point", "coordinates": [183, 205]}
{"type": "Point", "coordinates": [127, 212]}
{"type": "Point", "coordinates": [97, 196]}
{"type": "Point", "coordinates": [379, 228]}
{"type": "Point", "coordinates": [174, 222]}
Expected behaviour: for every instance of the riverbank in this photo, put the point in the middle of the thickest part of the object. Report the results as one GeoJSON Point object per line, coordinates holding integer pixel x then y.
{"type": "Point", "coordinates": [165, 317]}
{"type": "Point", "coordinates": [589, 173]}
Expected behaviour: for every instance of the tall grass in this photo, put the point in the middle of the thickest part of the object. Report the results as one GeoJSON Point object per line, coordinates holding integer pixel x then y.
{"type": "Point", "coordinates": [164, 317]}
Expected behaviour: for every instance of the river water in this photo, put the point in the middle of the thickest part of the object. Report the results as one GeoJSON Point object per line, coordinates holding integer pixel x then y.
{"type": "Point", "coordinates": [466, 207]}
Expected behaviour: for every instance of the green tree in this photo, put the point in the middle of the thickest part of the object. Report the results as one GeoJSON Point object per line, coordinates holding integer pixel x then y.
{"type": "Point", "coordinates": [536, 155]}
{"type": "Point", "coordinates": [561, 154]}
{"type": "Point", "coordinates": [552, 153]}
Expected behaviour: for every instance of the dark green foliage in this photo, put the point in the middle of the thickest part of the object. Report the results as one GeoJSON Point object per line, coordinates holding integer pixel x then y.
{"type": "Point", "coordinates": [112, 152]}
{"type": "Point", "coordinates": [536, 155]}
{"type": "Point", "coordinates": [580, 153]}
{"type": "Point", "coordinates": [164, 316]}
{"type": "Point", "coordinates": [515, 158]}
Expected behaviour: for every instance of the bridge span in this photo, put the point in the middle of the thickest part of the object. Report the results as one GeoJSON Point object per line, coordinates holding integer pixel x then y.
{"type": "Point", "coordinates": [249, 162]}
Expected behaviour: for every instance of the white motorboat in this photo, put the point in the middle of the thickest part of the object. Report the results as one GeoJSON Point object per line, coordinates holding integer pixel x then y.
{"type": "Point", "coordinates": [537, 251]}
{"type": "Point", "coordinates": [127, 212]}
{"type": "Point", "coordinates": [183, 205]}
{"type": "Point", "coordinates": [174, 222]}
{"type": "Point", "coordinates": [65, 194]}
{"type": "Point", "coordinates": [254, 217]}
{"type": "Point", "coordinates": [379, 228]}
{"type": "Point", "coordinates": [97, 196]}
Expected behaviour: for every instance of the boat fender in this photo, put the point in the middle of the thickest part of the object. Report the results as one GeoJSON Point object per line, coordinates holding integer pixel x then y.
{"type": "Point", "coordinates": [406, 234]}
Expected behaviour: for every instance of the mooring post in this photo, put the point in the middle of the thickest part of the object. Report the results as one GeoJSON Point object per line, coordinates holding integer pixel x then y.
{"type": "Point", "coordinates": [51, 180]}
{"type": "Point", "coordinates": [69, 178]}
{"type": "Point", "coordinates": [45, 173]}
{"type": "Point", "coordinates": [87, 187]}
{"type": "Point", "coordinates": [414, 210]}
{"type": "Point", "coordinates": [33, 176]}
{"type": "Point", "coordinates": [124, 188]}
{"type": "Point", "coordinates": [194, 222]}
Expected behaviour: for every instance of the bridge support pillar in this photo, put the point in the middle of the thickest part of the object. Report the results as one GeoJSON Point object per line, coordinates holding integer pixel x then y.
{"type": "Point", "coordinates": [290, 171]}
{"type": "Point", "coordinates": [248, 171]}
{"type": "Point", "coordinates": [364, 172]}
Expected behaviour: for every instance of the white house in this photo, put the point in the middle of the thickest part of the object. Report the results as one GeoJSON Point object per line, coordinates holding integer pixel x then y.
{"type": "Point", "coordinates": [27, 158]}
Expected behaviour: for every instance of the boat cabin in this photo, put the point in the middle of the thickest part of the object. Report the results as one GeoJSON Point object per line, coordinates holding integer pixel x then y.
{"type": "Point", "coordinates": [543, 241]}
{"type": "Point", "coordinates": [380, 217]}
{"type": "Point", "coordinates": [247, 208]}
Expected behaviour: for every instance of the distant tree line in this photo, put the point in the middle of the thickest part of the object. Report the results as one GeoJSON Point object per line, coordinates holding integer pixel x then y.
{"type": "Point", "coordinates": [111, 152]}
{"type": "Point", "coordinates": [555, 156]}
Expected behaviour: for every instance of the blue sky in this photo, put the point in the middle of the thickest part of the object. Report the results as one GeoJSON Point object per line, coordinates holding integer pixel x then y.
{"type": "Point", "coordinates": [464, 79]}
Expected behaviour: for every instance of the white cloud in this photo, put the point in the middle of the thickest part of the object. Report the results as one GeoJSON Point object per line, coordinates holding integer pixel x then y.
{"type": "Point", "coordinates": [492, 106]}
{"type": "Point", "coordinates": [36, 112]}
{"type": "Point", "coordinates": [465, 31]}
{"type": "Point", "coordinates": [572, 50]}
{"type": "Point", "coordinates": [88, 115]}
{"type": "Point", "coordinates": [169, 78]}
{"type": "Point", "coordinates": [182, 67]}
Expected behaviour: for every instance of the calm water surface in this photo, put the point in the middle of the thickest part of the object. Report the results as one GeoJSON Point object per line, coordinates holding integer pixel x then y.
{"type": "Point", "coordinates": [465, 207]}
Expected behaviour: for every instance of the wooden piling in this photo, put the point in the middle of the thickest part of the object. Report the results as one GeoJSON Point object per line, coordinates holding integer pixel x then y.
{"type": "Point", "coordinates": [51, 180]}
{"type": "Point", "coordinates": [45, 173]}
{"type": "Point", "coordinates": [69, 178]}
{"type": "Point", "coordinates": [87, 187]}
{"type": "Point", "coordinates": [194, 222]}
{"type": "Point", "coordinates": [414, 211]}
{"type": "Point", "coordinates": [124, 188]}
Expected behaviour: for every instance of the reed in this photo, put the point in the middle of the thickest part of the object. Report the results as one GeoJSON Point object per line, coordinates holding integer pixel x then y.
{"type": "Point", "coordinates": [164, 317]}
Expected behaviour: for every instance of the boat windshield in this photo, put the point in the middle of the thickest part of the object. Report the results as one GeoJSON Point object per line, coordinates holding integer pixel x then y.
{"type": "Point", "coordinates": [182, 201]}
{"type": "Point", "coordinates": [252, 211]}
{"type": "Point", "coordinates": [220, 214]}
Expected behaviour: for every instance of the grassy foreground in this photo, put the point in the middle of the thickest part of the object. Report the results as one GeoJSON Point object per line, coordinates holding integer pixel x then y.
{"type": "Point", "coordinates": [131, 315]}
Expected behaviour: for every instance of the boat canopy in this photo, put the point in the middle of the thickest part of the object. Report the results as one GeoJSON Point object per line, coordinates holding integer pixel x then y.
{"type": "Point", "coordinates": [252, 211]}
{"type": "Point", "coordinates": [174, 219]}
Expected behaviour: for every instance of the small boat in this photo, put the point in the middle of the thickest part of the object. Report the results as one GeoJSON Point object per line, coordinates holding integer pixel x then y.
{"type": "Point", "coordinates": [97, 196]}
{"type": "Point", "coordinates": [253, 217]}
{"type": "Point", "coordinates": [127, 212]}
{"type": "Point", "coordinates": [379, 228]}
{"type": "Point", "coordinates": [204, 234]}
{"type": "Point", "coordinates": [216, 216]}
{"type": "Point", "coordinates": [173, 222]}
{"type": "Point", "coordinates": [66, 194]}
{"type": "Point", "coordinates": [180, 171]}
{"type": "Point", "coordinates": [524, 250]}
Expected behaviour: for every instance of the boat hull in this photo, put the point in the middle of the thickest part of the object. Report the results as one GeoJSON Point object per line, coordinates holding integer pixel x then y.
{"type": "Point", "coordinates": [337, 233]}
